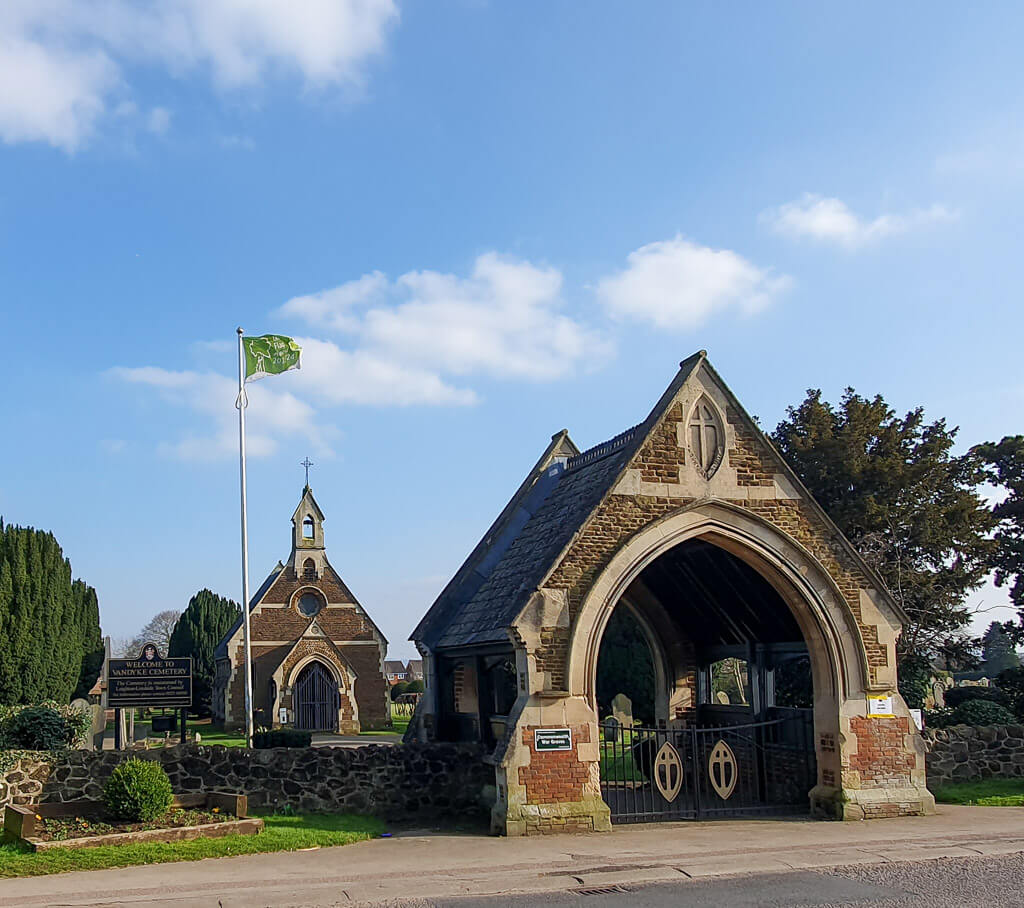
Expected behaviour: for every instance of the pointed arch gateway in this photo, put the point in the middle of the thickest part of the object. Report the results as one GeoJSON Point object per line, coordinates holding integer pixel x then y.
{"type": "Point", "coordinates": [713, 586]}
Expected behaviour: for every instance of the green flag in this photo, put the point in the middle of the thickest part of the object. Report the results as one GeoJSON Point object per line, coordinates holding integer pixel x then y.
{"type": "Point", "coordinates": [270, 354]}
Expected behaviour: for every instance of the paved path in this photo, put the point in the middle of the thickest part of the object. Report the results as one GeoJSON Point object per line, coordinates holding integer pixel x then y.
{"type": "Point", "coordinates": [434, 866]}
{"type": "Point", "coordinates": [953, 883]}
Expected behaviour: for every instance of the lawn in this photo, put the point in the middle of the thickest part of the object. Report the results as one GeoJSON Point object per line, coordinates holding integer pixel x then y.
{"type": "Point", "coordinates": [398, 725]}
{"type": "Point", "coordinates": [617, 764]}
{"type": "Point", "coordinates": [282, 833]}
{"type": "Point", "coordinates": [989, 793]}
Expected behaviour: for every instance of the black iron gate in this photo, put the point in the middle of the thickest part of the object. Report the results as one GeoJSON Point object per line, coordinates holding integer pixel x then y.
{"type": "Point", "coordinates": [316, 699]}
{"type": "Point", "coordinates": [708, 772]}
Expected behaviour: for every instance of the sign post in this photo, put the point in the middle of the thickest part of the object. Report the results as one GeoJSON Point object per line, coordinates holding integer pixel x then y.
{"type": "Point", "coordinates": [151, 681]}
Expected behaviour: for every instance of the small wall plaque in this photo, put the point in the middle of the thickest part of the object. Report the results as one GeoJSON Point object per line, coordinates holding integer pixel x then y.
{"type": "Point", "coordinates": [548, 739]}
{"type": "Point", "coordinates": [880, 707]}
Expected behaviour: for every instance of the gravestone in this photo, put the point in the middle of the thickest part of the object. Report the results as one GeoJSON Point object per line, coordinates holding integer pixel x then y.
{"type": "Point", "coordinates": [622, 710]}
{"type": "Point", "coordinates": [85, 708]}
{"type": "Point", "coordinates": [722, 697]}
{"type": "Point", "coordinates": [611, 729]}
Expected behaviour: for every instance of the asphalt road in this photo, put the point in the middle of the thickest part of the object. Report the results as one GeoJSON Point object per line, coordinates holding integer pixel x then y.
{"type": "Point", "coordinates": [949, 883]}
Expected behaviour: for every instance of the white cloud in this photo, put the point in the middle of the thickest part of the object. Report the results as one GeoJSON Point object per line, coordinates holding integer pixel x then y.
{"type": "Point", "coordinates": [62, 61]}
{"type": "Point", "coordinates": [829, 220]}
{"type": "Point", "coordinates": [335, 309]}
{"type": "Point", "coordinates": [502, 320]}
{"type": "Point", "coordinates": [419, 340]}
{"type": "Point", "coordinates": [426, 337]}
{"type": "Point", "coordinates": [51, 94]}
{"type": "Point", "coordinates": [335, 376]}
{"type": "Point", "coordinates": [678, 285]}
{"type": "Point", "coordinates": [271, 415]}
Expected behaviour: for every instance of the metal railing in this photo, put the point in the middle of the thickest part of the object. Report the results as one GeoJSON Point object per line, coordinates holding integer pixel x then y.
{"type": "Point", "coordinates": [715, 771]}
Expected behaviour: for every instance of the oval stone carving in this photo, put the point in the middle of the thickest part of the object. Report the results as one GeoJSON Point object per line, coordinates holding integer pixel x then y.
{"type": "Point", "coordinates": [722, 770]}
{"type": "Point", "coordinates": [668, 772]}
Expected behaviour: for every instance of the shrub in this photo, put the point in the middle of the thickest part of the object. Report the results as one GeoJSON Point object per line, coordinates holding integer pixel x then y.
{"type": "Point", "coordinates": [915, 674]}
{"type": "Point", "coordinates": [138, 790]}
{"type": "Point", "coordinates": [982, 712]}
{"type": "Point", "coordinates": [398, 689]}
{"type": "Point", "coordinates": [415, 687]}
{"type": "Point", "coordinates": [957, 695]}
{"type": "Point", "coordinates": [281, 737]}
{"type": "Point", "coordinates": [938, 718]}
{"type": "Point", "coordinates": [36, 732]}
{"type": "Point", "coordinates": [38, 728]}
{"type": "Point", "coordinates": [1011, 683]}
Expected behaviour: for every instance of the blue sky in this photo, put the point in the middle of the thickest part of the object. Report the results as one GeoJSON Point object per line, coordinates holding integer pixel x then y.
{"type": "Point", "coordinates": [487, 221]}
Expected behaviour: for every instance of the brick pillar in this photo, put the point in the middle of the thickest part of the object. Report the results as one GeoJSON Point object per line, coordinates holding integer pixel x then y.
{"type": "Point", "coordinates": [542, 792]}
{"type": "Point", "coordinates": [882, 764]}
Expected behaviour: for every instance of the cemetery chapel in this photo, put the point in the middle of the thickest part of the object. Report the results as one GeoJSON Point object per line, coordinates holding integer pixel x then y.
{"type": "Point", "coordinates": [317, 656]}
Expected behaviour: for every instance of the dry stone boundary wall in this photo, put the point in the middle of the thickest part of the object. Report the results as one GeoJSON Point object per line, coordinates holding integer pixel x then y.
{"type": "Point", "coordinates": [432, 780]}
{"type": "Point", "coordinates": [411, 781]}
{"type": "Point", "coordinates": [965, 753]}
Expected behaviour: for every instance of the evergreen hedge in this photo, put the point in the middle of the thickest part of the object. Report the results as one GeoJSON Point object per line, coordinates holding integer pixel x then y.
{"type": "Point", "coordinates": [199, 629]}
{"type": "Point", "coordinates": [50, 643]}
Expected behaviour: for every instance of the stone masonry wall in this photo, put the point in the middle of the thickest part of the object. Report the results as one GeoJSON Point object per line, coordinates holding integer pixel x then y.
{"type": "Point", "coordinates": [410, 781]}
{"type": "Point", "coordinates": [621, 516]}
{"type": "Point", "coordinates": [964, 753]}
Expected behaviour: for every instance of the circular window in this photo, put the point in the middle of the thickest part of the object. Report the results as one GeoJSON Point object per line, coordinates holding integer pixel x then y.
{"type": "Point", "coordinates": [309, 604]}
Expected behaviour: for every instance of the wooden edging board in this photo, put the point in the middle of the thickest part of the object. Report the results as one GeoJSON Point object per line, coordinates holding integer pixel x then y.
{"type": "Point", "coordinates": [179, 834]}
{"type": "Point", "coordinates": [20, 822]}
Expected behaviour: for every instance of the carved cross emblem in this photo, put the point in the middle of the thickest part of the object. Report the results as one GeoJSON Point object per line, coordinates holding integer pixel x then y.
{"type": "Point", "coordinates": [722, 770]}
{"type": "Point", "coordinates": [668, 772]}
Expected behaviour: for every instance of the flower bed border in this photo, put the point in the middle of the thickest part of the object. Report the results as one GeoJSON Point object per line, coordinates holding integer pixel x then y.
{"type": "Point", "coordinates": [20, 822]}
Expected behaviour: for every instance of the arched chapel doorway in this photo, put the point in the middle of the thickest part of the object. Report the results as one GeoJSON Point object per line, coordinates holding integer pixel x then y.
{"type": "Point", "coordinates": [316, 699]}
{"type": "Point", "coordinates": [704, 691]}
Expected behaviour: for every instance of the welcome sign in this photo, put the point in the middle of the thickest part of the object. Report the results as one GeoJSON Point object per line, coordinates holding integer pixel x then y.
{"type": "Point", "coordinates": [149, 680]}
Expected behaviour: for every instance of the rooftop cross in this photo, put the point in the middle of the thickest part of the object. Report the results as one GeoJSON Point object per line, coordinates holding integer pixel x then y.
{"type": "Point", "coordinates": [307, 463]}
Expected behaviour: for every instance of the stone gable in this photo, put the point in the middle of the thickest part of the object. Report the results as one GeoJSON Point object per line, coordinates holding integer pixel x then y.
{"type": "Point", "coordinates": [661, 463]}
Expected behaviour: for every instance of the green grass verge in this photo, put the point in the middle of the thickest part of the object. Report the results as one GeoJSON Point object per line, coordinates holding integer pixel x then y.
{"type": "Point", "coordinates": [988, 793]}
{"type": "Point", "coordinates": [282, 833]}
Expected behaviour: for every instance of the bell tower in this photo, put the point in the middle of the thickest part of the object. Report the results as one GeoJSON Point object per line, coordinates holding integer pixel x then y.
{"type": "Point", "coordinates": [308, 538]}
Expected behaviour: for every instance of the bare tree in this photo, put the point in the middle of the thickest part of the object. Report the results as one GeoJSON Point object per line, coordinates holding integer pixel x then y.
{"type": "Point", "coordinates": [158, 631]}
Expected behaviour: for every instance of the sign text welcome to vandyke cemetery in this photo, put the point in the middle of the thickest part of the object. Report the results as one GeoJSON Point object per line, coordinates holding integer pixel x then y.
{"type": "Point", "coordinates": [149, 680]}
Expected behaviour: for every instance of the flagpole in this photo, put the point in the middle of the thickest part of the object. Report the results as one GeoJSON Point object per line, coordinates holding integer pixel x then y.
{"type": "Point", "coordinates": [241, 404]}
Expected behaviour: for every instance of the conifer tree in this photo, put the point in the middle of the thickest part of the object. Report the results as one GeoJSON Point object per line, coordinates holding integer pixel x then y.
{"type": "Point", "coordinates": [50, 646]}
{"type": "Point", "coordinates": [904, 499]}
{"type": "Point", "coordinates": [1005, 465]}
{"type": "Point", "coordinates": [998, 651]}
{"type": "Point", "coordinates": [199, 629]}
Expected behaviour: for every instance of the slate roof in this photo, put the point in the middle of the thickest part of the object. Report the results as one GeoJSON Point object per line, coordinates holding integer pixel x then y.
{"type": "Point", "coordinates": [496, 581]}
{"type": "Point", "coordinates": [394, 667]}
{"type": "Point", "coordinates": [221, 652]}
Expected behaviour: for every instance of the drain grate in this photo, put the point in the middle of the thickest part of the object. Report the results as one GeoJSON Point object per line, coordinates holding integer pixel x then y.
{"type": "Point", "coordinates": [600, 890]}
